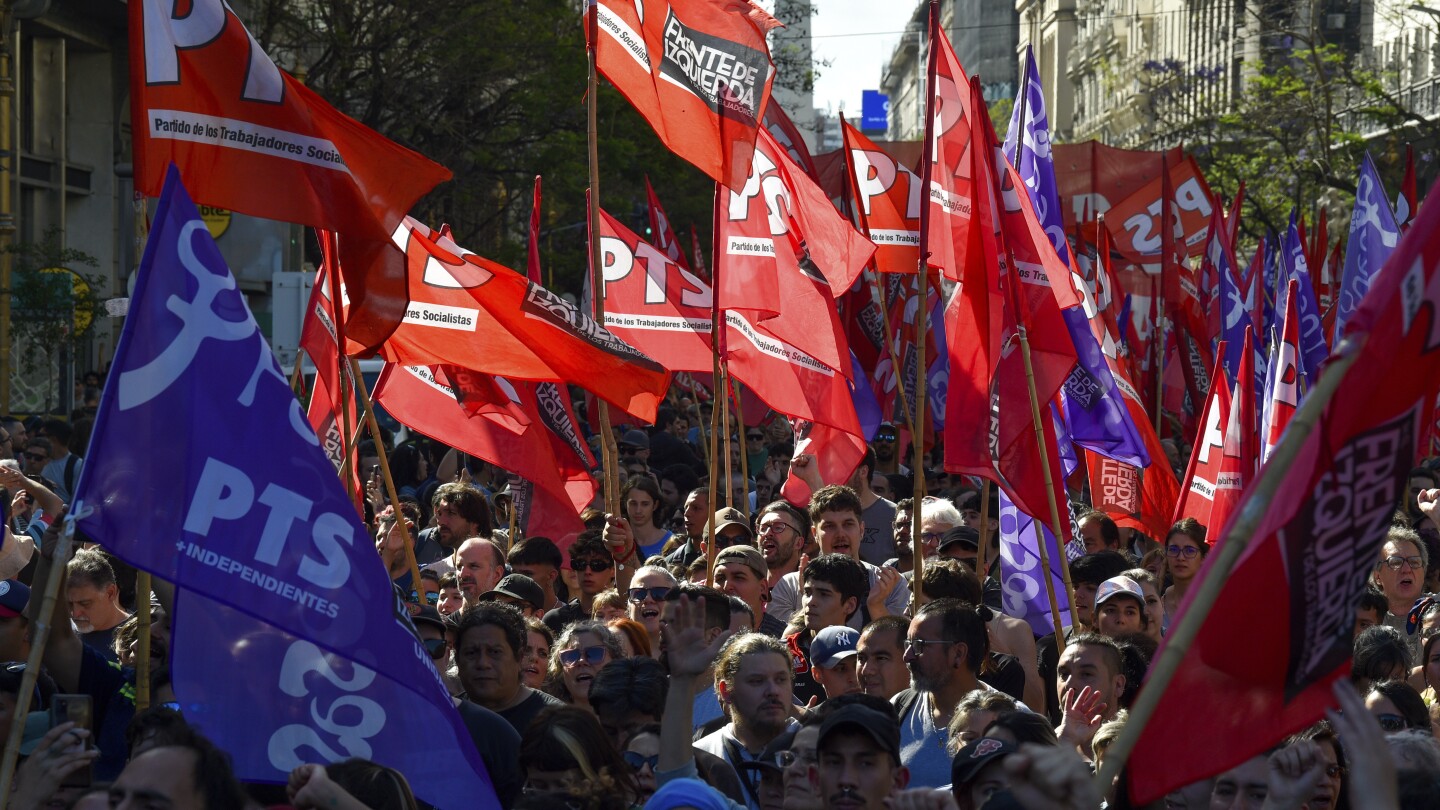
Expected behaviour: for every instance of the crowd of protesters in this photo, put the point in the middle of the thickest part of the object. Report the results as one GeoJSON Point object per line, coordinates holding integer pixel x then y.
{"type": "Point", "coordinates": [751, 653]}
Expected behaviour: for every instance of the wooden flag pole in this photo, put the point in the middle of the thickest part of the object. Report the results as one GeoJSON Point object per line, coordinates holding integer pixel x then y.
{"type": "Point", "coordinates": [364, 397]}
{"type": "Point", "coordinates": [744, 443]}
{"type": "Point", "coordinates": [609, 454]}
{"type": "Point", "coordinates": [717, 387]}
{"type": "Point", "coordinates": [1222, 562]}
{"type": "Point", "coordinates": [710, 550]}
{"type": "Point", "coordinates": [1049, 495]}
{"type": "Point", "coordinates": [894, 355]}
{"type": "Point", "coordinates": [984, 532]}
{"type": "Point", "coordinates": [723, 383]}
{"type": "Point", "coordinates": [142, 577]}
{"type": "Point", "coordinates": [40, 634]}
{"type": "Point", "coordinates": [347, 449]}
{"type": "Point", "coordinates": [922, 319]}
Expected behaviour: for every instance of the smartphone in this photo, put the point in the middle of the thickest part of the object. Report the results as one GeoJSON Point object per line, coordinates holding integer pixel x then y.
{"type": "Point", "coordinates": [77, 709]}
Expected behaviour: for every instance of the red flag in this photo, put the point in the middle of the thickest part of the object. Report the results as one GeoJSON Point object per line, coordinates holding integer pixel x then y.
{"type": "Point", "coordinates": [782, 241]}
{"type": "Point", "coordinates": [887, 201]}
{"type": "Point", "coordinates": [1282, 395]}
{"type": "Point", "coordinates": [660, 228]}
{"type": "Point", "coordinates": [319, 340]}
{"type": "Point", "coordinates": [1407, 204]}
{"type": "Point", "coordinates": [699, 72]}
{"type": "Point", "coordinates": [1314, 546]}
{"type": "Point", "coordinates": [248, 137]}
{"type": "Point", "coordinates": [785, 133]}
{"type": "Point", "coordinates": [700, 269]}
{"type": "Point", "coordinates": [1223, 460]}
{"type": "Point", "coordinates": [864, 328]}
{"type": "Point", "coordinates": [532, 268]}
{"type": "Point", "coordinates": [653, 304]}
{"type": "Point", "coordinates": [471, 312]}
{"type": "Point", "coordinates": [415, 397]}
{"type": "Point", "coordinates": [961, 225]}
{"type": "Point", "coordinates": [1232, 219]}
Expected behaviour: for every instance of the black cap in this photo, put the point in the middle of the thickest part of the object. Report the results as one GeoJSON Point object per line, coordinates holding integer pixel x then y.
{"type": "Point", "coordinates": [428, 615]}
{"type": "Point", "coordinates": [976, 754]}
{"type": "Point", "coordinates": [962, 535]}
{"type": "Point", "coordinates": [517, 586]}
{"type": "Point", "coordinates": [884, 730]}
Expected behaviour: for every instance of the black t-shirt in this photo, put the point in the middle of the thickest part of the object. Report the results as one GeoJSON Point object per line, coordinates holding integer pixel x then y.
{"type": "Point", "coordinates": [523, 712]}
{"type": "Point", "coordinates": [499, 745]}
{"type": "Point", "coordinates": [1003, 672]}
{"type": "Point", "coordinates": [112, 692]}
{"type": "Point", "coordinates": [102, 641]}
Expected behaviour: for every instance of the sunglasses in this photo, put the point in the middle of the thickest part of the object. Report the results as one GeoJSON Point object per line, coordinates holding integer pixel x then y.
{"type": "Point", "coordinates": [1184, 552]}
{"type": "Point", "coordinates": [1391, 722]}
{"type": "Point", "coordinates": [431, 599]}
{"type": "Point", "coordinates": [637, 762]}
{"type": "Point", "coordinates": [660, 594]}
{"type": "Point", "coordinates": [885, 437]}
{"type": "Point", "coordinates": [436, 647]}
{"type": "Point", "coordinates": [754, 437]}
{"type": "Point", "coordinates": [593, 655]}
{"type": "Point", "coordinates": [596, 565]}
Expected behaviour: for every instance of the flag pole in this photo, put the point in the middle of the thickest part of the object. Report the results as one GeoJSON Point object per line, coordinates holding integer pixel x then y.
{"type": "Point", "coordinates": [364, 397]}
{"type": "Point", "coordinates": [1227, 553]}
{"type": "Point", "coordinates": [142, 577]}
{"type": "Point", "coordinates": [40, 634]}
{"type": "Point", "coordinates": [608, 452]}
{"type": "Point", "coordinates": [890, 347]}
{"type": "Point", "coordinates": [744, 447]}
{"type": "Point", "coordinates": [984, 531]}
{"type": "Point", "coordinates": [346, 446]}
{"type": "Point", "coordinates": [723, 381]}
{"type": "Point", "coordinates": [922, 316]}
{"type": "Point", "coordinates": [717, 388]}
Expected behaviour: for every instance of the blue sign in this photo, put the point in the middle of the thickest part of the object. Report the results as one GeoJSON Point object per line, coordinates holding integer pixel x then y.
{"type": "Point", "coordinates": [874, 111]}
{"type": "Point", "coordinates": [204, 471]}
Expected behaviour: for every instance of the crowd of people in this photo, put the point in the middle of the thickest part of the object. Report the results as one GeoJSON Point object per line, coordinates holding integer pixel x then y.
{"type": "Point", "coordinates": [752, 653]}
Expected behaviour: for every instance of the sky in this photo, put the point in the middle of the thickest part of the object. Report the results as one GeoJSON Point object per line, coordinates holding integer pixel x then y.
{"type": "Point", "coordinates": [858, 37]}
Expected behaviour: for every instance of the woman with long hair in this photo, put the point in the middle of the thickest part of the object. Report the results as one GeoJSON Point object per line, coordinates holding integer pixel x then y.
{"type": "Point", "coordinates": [1185, 550]}
{"type": "Point", "coordinates": [565, 751]}
{"type": "Point", "coordinates": [640, 502]}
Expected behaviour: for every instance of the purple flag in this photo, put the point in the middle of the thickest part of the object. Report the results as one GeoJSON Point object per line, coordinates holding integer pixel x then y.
{"type": "Point", "coordinates": [312, 657]}
{"type": "Point", "coordinates": [1313, 349]}
{"type": "Point", "coordinates": [1023, 585]}
{"type": "Point", "coordinates": [1094, 411]}
{"type": "Point", "coordinates": [1373, 236]}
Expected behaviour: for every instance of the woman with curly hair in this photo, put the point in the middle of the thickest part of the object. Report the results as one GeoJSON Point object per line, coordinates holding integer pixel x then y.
{"type": "Point", "coordinates": [582, 650]}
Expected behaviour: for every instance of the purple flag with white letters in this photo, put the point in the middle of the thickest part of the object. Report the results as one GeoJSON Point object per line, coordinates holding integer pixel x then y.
{"type": "Point", "coordinates": [297, 649]}
{"type": "Point", "coordinates": [1094, 411]}
{"type": "Point", "coordinates": [1373, 237]}
{"type": "Point", "coordinates": [1313, 348]}
{"type": "Point", "coordinates": [1023, 583]}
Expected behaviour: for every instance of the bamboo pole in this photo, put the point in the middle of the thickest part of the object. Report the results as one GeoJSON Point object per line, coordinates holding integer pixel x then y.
{"type": "Point", "coordinates": [894, 355]}
{"type": "Point", "coordinates": [744, 443]}
{"type": "Point", "coordinates": [608, 453]}
{"type": "Point", "coordinates": [40, 635]}
{"type": "Point", "coordinates": [922, 319]}
{"type": "Point", "coordinates": [710, 549]}
{"type": "Point", "coordinates": [717, 388]}
{"type": "Point", "coordinates": [984, 531]}
{"type": "Point", "coordinates": [364, 397]}
{"type": "Point", "coordinates": [1223, 559]}
{"type": "Point", "coordinates": [347, 449]}
{"type": "Point", "coordinates": [723, 382]}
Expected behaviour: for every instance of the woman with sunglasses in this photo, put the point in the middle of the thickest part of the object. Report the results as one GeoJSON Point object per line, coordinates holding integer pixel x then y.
{"type": "Point", "coordinates": [583, 650]}
{"type": "Point", "coordinates": [1185, 550]}
{"type": "Point", "coordinates": [1398, 707]}
{"type": "Point", "coordinates": [646, 597]}
{"type": "Point", "coordinates": [642, 751]}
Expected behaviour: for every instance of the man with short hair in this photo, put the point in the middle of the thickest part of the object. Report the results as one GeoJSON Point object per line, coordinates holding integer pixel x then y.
{"type": "Point", "coordinates": [1120, 607]}
{"type": "Point", "coordinates": [94, 600]}
{"type": "Point", "coordinates": [35, 457]}
{"type": "Point", "coordinates": [193, 776]}
{"type": "Point", "coordinates": [519, 592]}
{"type": "Point", "coordinates": [837, 516]}
{"type": "Point", "coordinates": [886, 445]}
{"type": "Point", "coordinates": [945, 646]}
{"type": "Point", "coordinates": [1099, 532]}
{"type": "Point", "coordinates": [740, 571]}
{"type": "Point", "coordinates": [832, 661]}
{"type": "Point", "coordinates": [479, 565]}
{"type": "Point", "coordinates": [489, 646]}
{"type": "Point", "coordinates": [781, 530]}
{"type": "Point", "coordinates": [1092, 660]}
{"type": "Point", "coordinates": [881, 657]}
{"type": "Point", "coordinates": [461, 512]}
{"type": "Point", "coordinates": [539, 559]}
{"type": "Point", "coordinates": [591, 561]}
{"type": "Point", "coordinates": [63, 468]}
{"type": "Point", "coordinates": [18, 435]}
{"type": "Point", "coordinates": [858, 754]}
{"type": "Point", "coordinates": [1086, 574]}
{"type": "Point", "coordinates": [754, 680]}
{"type": "Point", "coordinates": [1371, 610]}
{"type": "Point", "coordinates": [834, 586]}
{"type": "Point", "coordinates": [877, 514]}
{"type": "Point", "coordinates": [696, 515]}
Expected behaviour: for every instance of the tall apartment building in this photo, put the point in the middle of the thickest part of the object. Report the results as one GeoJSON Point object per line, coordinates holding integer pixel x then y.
{"type": "Point", "coordinates": [984, 35]}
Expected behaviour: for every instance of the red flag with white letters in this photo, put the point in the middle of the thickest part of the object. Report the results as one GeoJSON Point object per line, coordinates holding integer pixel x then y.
{"type": "Point", "coordinates": [887, 199]}
{"type": "Point", "coordinates": [1282, 382]}
{"type": "Point", "coordinates": [318, 339]}
{"type": "Point", "coordinates": [1223, 461]}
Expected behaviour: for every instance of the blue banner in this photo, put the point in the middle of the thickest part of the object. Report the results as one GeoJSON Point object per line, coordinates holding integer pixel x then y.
{"type": "Point", "coordinates": [874, 111]}
{"type": "Point", "coordinates": [1234, 307]}
{"type": "Point", "coordinates": [1313, 348]}
{"type": "Point", "coordinates": [1023, 584]}
{"type": "Point", "coordinates": [1373, 236]}
{"type": "Point", "coordinates": [204, 471]}
{"type": "Point", "coordinates": [1094, 411]}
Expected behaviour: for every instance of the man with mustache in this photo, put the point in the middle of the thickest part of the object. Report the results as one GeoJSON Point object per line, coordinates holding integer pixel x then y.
{"type": "Point", "coordinates": [859, 759]}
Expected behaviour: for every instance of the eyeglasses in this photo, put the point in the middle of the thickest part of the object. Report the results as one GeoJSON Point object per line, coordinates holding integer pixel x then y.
{"type": "Point", "coordinates": [885, 437]}
{"type": "Point", "coordinates": [1183, 552]}
{"type": "Point", "coordinates": [35, 456]}
{"type": "Point", "coordinates": [776, 527]}
{"type": "Point", "coordinates": [917, 645]}
{"type": "Point", "coordinates": [1391, 722]}
{"type": "Point", "coordinates": [1334, 771]}
{"type": "Point", "coordinates": [436, 647]}
{"type": "Point", "coordinates": [660, 594]}
{"type": "Point", "coordinates": [593, 655]}
{"type": "Point", "coordinates": [637, 762]}
{"type": "Point", "coordinates": [930, 538]}
{"type": "Point", "coordinates": [1396, 563]}
{"type": "Point", "coordinates": [596, 565]}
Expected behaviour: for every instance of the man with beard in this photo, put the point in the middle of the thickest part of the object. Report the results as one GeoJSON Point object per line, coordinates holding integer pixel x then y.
{"type": "Point", "coordinates": [460, 512]}
{"type": "Point", "coordinates": [697, 510]}
{"type": "Point", "coordinates": [859, 759]}
{"type": "Point", "coordinates": [1400, 575]}
{"type": "Point", "coordinates": [838, 519]}
{"type": "Point", "coordinates": [781, 530]}
{"type": "Point", "coordinates": [479, 567]}
{"type": "Point", "coordinates": [94, 600]}
{"type": "Point", "coordinates": [944, 648]}
{"type": "Point", "coordinates": [887, 450]}
{"type": "Point", "coordinates": [740, 571]}
{"type": "Point", "coordinates": [754, 680]}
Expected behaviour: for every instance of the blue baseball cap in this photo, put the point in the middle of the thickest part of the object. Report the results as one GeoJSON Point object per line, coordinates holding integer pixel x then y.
{"type": "Point", "coordinates": [833, 645]}
{"type": "Point", "coordinates": [13, 596]}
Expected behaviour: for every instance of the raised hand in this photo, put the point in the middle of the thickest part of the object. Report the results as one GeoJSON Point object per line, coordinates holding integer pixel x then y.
{"type": "Point", "coordinates": [807, 469]}
{"type": "Point", "coordinates": [1429, 502]}
{"type": "Point", "coordinates": [618, 537]}
{"type": "Point", "coordinates": [1080, 717]}
{"type": "Point", "coordinates": [1053, 777]}
{"type": "Point", "coordinates": [1367, 754]}
{"type": "Point", "coordinates": [1295, 772]}
{"type": "Point", "coordinates": [886, 580]}
{"type": "Point", "coordinates": [685, 646]}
